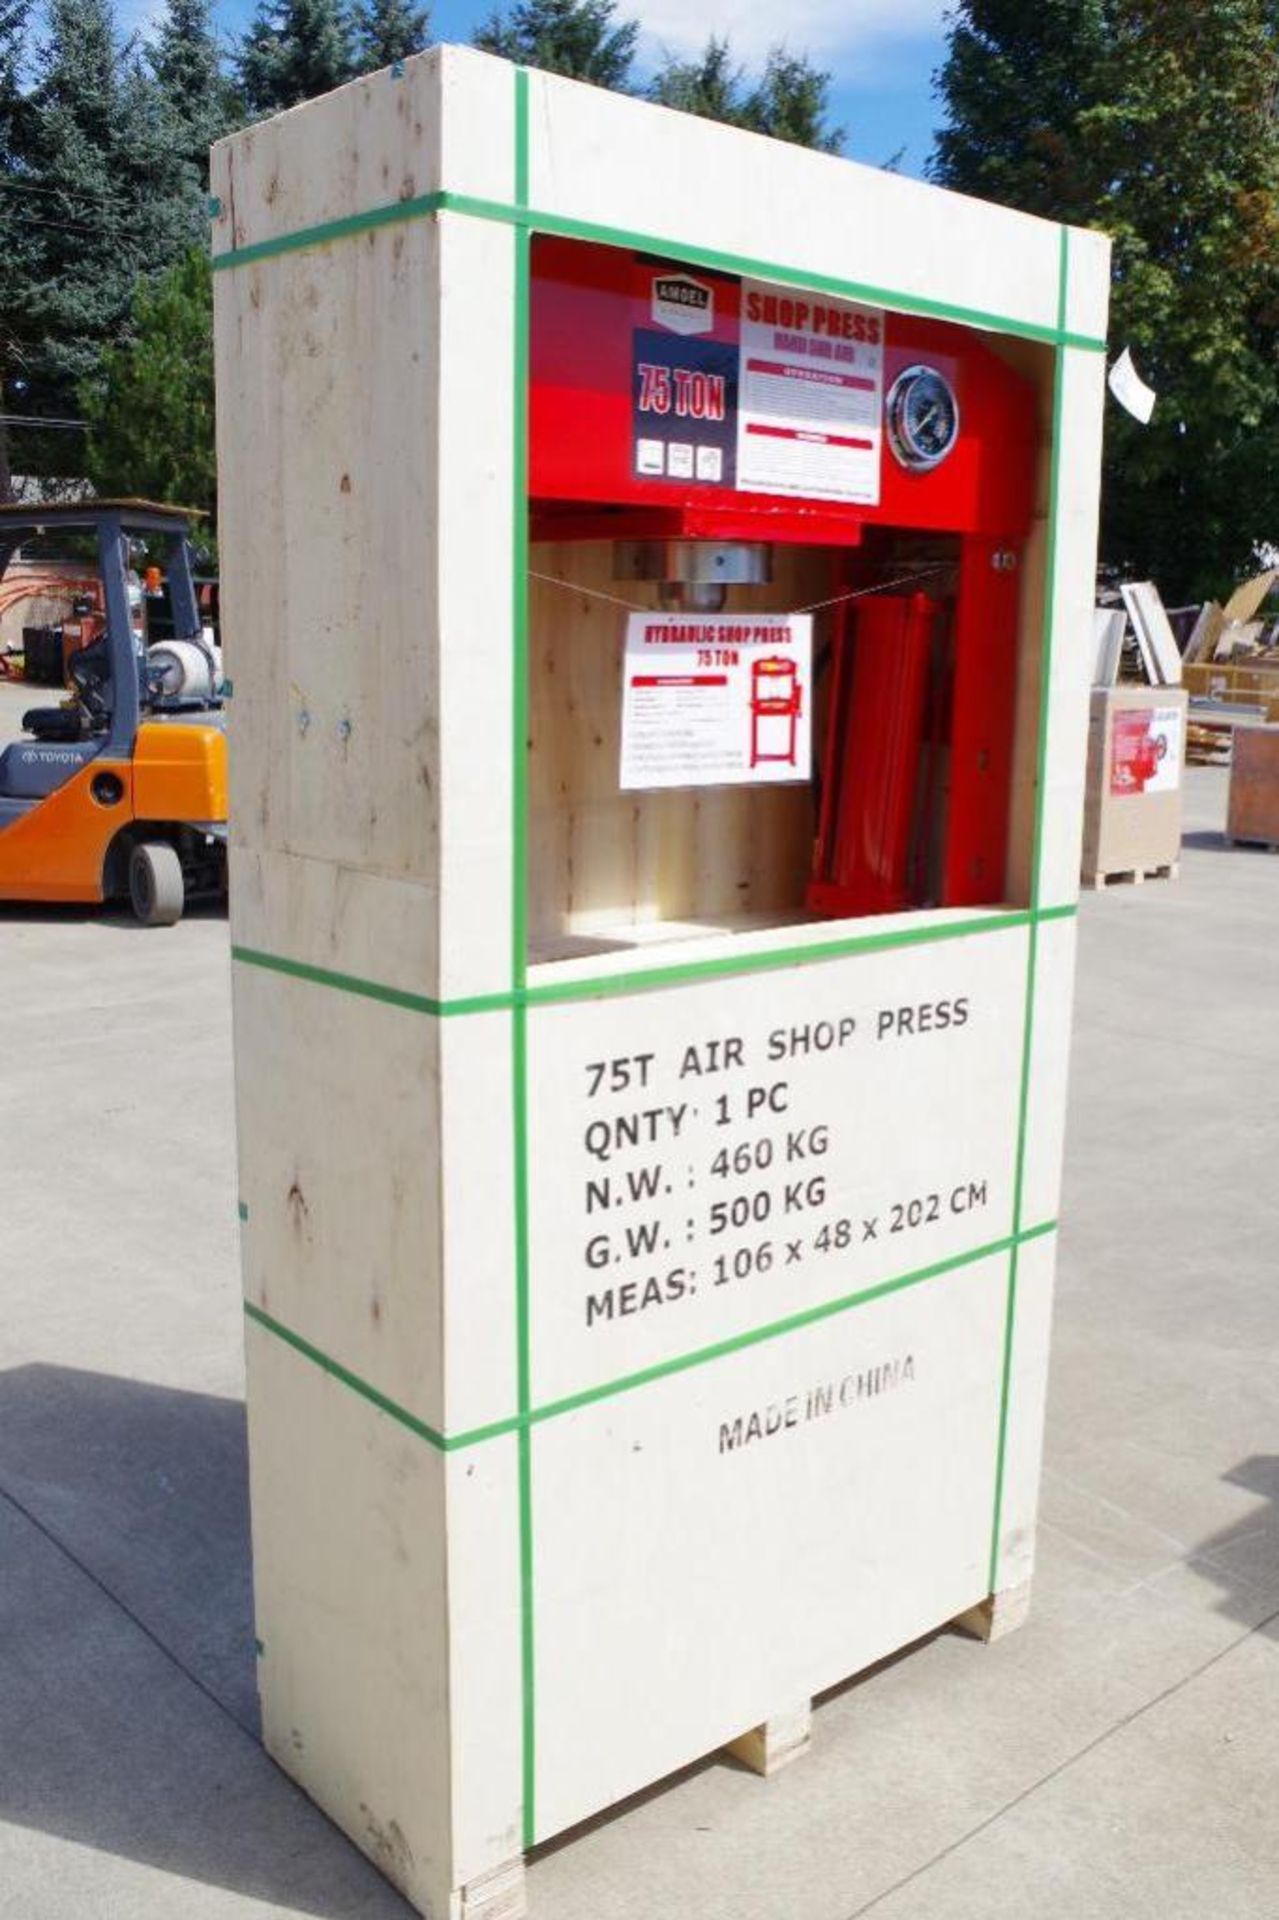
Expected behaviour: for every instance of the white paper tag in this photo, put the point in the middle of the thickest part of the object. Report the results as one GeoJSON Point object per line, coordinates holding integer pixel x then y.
{"type": "Point", "coordinates": [1130, 390]}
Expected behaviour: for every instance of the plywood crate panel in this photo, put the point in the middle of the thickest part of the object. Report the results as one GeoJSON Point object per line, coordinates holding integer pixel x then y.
{"type": "Point", "coordinates": [647, 1286]}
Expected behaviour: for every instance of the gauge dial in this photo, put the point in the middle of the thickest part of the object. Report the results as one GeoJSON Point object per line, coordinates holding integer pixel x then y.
{"type": "Point", "coordinates": [923, 418]}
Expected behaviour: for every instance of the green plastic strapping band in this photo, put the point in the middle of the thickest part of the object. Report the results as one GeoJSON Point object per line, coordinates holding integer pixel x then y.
{"type": "Point", "coordinates": [519, 943]}
{"type": "Point", "coordinates": [522, 1422]}
{"type": "Point", "coordinates": [424, 206]}
{"type": "Point", "coordinates": [336, 1371]}
{"type": "Point", "coordinates": [369, 989]}
{"type": "Point", "coordinates": [774, 959]}
{"type": "Point", "coordinates": [652, 979]}
{"type": "Point", "coordinates": [1032, 953]}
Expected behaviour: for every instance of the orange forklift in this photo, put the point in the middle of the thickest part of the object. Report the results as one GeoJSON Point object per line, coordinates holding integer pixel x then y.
{"type": "Point", "coordinates": [120, 792]}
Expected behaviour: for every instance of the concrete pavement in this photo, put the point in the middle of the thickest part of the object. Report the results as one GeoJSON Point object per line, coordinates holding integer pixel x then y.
{"type": "Point", "coordinates": [1119, 1757]}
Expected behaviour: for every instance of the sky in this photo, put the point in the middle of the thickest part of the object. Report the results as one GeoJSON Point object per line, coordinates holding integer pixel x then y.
{"type": "Point", "coordinates": [881, 54]}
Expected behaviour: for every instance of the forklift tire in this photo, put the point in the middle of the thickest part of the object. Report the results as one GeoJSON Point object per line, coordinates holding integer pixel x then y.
{"type": "Point", "coordinates": [157, 891]}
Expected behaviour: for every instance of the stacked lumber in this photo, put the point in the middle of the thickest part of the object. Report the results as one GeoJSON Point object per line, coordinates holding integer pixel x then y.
{"type": "Point", "coordinates": [1209, 742]}
{"type": "Point", "coordinates": [1257, 684]}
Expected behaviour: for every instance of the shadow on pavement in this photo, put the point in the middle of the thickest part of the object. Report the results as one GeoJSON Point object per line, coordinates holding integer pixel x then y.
{"type": "Point", "coordinates": [1243, 1559]}
{"type": "Point", "coordinates": [116, 917]}
{"type": "Point", "coordinates": [1207, 840]}
{"type": "Point", "coordinates": [128, 1710]}
{"type": "Point", "coordinates": [148, 1489]}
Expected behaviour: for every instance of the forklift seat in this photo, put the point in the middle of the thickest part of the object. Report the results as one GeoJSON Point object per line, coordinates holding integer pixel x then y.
{"type": "Point", "coordinates": [32, 769]}
{"type": "Point", "coordinates": [53, 723]}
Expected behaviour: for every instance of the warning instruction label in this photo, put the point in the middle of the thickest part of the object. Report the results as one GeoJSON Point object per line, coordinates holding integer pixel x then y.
{"type": "Point", "coordinates": [739, 384]}
{"type": "Point", "coordinates": [716, 700]}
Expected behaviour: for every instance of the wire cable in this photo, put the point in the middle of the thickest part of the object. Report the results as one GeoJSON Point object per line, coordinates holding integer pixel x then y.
{"type": "Point", "coordinates": [59, 226]}
{"type": "Point", "coordinates": [10, 184]}
{"type": "Point", "coordinates": [35, 420]}
{"type": "Point", "coordinates": [816, 606]}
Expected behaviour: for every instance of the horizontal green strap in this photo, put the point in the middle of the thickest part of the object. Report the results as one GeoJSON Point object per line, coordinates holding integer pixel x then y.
{"type": "Point", "coordinates": [792, 1323]}
{"type": "Point", "coordinates": [422, 206]}
{"type": "Point", "coordinates": [369, 989]}
{"type": "Point", "coordinates": [771, 959]}
{"type": "Point", "coordinates": [395, 211]}
{"type": "Point", "coordinates": [679, 973]}
{"type": "Point", "coordinates": [751, 268]}
{"type": "Point", "coordinates": [660, 1370]}
{"type": "Point", "coordinates": [327, 1364]}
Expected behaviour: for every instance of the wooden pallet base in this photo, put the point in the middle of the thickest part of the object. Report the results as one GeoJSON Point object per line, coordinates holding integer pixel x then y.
{"type": "Point", "coordinates": [772, 1745]}
{"type": "Point", "coordinates": [765, 1749]}
{"type": "Point", "coordinates": [997, 1616]}
{"type": "Point", "coordinates": [497, 1895]}
{"type": "Point", "coordinates": [1132, 876]}
{"type": "Point", "coordinates": [1206, 749]}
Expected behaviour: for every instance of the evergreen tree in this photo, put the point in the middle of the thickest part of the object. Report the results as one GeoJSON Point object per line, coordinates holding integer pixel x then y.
{"type": "Point", "coordinates": [79, 238]}
{"type": "Point", "coordinates": [789, 101]}
{"type": "Point", "coordinates": [101, 195]}
{"type": "Point", "coordinates": [1153, 119]}
{"type": "Point", "coordinates": [579, 38]}
{"type": "Point", "coordinates": [1017, 86]}
{"type": "Point", "coordinates": [389, 30]}
{"type": "Point", "coordinates": [294, 50]}
{"type": "Point", "coordinates": [15, 247]}
{"type": "Point", "coordinates": [13, 30]}
{"type": "Point", "coordinates": [709, 86]}
{"type": "Point", "coordinates": [186, 65]}
{"type": "Point", "coordinates": [150, 413]}
{"type": "Point", "coordinates": [112, 199]}
{"type": "Point", "coordinates": [158, 169]}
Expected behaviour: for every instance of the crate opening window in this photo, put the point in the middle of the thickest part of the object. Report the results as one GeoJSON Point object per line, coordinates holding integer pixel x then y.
{"type": "Point", "coordinates": [785, 606]}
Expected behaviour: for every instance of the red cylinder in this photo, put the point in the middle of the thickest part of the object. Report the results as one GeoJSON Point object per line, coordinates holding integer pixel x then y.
{"type": "Point", "coordinates": [874, 744]}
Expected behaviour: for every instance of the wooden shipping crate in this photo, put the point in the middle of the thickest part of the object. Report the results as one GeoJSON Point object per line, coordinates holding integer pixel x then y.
{"type": "Point", "coordinates": [647, 1284]}
{"type": "Point", "coordinates": [1253, 811]}
{"type": "Point", "coordinates": [1136, 761]}
{"type": "Point", "coordinates": [1231, 683]}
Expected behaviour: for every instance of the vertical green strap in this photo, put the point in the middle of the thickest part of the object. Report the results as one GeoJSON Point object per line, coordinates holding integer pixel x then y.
{"type": "Point", "coordinates": [1036, 859]}
{"type": "Point", "coordinates": [519, 936]}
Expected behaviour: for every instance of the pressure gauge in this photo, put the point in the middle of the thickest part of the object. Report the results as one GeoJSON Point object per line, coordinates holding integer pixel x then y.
{"type": "Point", "coordinates": [923, 418]}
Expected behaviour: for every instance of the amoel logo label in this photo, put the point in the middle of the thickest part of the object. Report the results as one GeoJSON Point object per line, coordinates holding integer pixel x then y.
{"type": "Point", "coordinates": [682, 304]}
